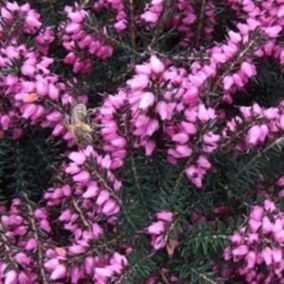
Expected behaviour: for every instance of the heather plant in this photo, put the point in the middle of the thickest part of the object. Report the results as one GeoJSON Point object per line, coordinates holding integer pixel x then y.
{"type": "Point", "coordinates": [141, 141]}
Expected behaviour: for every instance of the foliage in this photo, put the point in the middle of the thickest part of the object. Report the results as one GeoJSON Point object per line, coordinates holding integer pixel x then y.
{"type": "Point", "coordinates": [138, 141]}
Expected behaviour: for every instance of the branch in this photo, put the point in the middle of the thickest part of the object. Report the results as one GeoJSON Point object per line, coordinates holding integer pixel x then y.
{"type": "Point", "coordinates": [235, 62]}
{"type": "Point", "coordinates": [6, 243]}
{"type": "Point", "coordinates": [36, 236]}
{"type": "Point", "coordinates": [116, 42]}
{"type": "Point", "coordinates": [160, 24]}
{"type": "Point", "coordinates": [259, 155]}
{"type": "Point", "coordinates": [132, 23]}
{"type": "Point", "coordinates": [137, 264]}
{"type": "Point", "coordinates": [81, 214]}
{"type": "Point", "coordinates": [200, 22]}
{"type": "Point", "coordinates": [203, 276]}
{"type": "Point", "coordinates": [112, 193]}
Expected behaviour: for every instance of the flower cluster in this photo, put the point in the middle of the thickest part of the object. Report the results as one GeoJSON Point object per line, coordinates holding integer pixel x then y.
{"type": "Point", "coordinates": [187, 21]}
{"type": "Point", "coordinates": [121, 20]}
{"type": "Point", "coordinates": [163, 235]}
{"type": "Point", "coordinates": [24, 238]}
{"type": "Point", "coordinates": [257, 247]}
{"type": "Point", "coordinates": [153, 11]}
{"type": "Point", "coordinates": [82, 46]}
{"type": "Point", "coordinates": [176, 100]}
{"type": "Point", "coordinates": [17, 17]}
{"type": "Point", "coordinates": [259, 124]}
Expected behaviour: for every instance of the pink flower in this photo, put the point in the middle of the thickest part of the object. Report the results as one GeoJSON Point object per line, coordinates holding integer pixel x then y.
{"type": "Point", "coordinates": [22, 258]}
{"type": "Point", "coordinates": [165, 216]}
{"type": "Point", "coordinates": [29, 110]}
{"type": "Point", "coordinates": [103, 271]}
{"type": "Point", "coordinates": [257, 213]}
{"type": "Point", "coordinates": [53, 92]}
{"type": "Point", "coordinates": [235, 37]}
{"type": "Point", "coordinates": [28, 70]}
{"type": "Point", "coordinates": [158, 242]}
{"type": "Point", "coordinates": [256, 134]}
{"type": "Point", "coordinates": [269, 205]}
{"type": "Point", "coordinates": [31, 244]}
{"type": "Point", "coordinates": [241, 250]}
{"type": "Point", "coordinates": [59, 272]}
{"type": "Point", "coordinates": [91, 191]}
{"type": "Point", "coordinates": [277, 255]}
{"type": "Point", "coordinates": [228, 82]}
{"type": "Point", "coordinates": [189, 128]}
{"type": "Point", "coordinates": [78, 157]}
{"type": "Point", "coordinates": [162, 109]}
{"type": "Point", "coordinates": [156, 228]}
{"type": "Point", "coordinates": [150, 147]}
{"type": "Point", "coordinates": [11, 277]}
{"type": "Point", "coordinates": [267, 255]}
{"type": "Point", "coordinates": [32, 20]}
{"type": "Point", "coordinates": [184, 151]}
{"type": "Point", "coordinates": [150, 17]}
{"type": "Point", "coordinates": [109, 207]}
{"type": "Point", "coordinates": [180, 138]}
{"type": "Point", "coordinates": [267, 226]}
{"type": "Point", "coordinates": [152, 126]}
{"type": "Point", "coordinates": [138, 82]}
{"type": "Point", "coordinates": [83, 176]}
{"type": "Point", "coordinates": [147, 99]}
{"type": "Point", "coordinates": [248, 68]}
{"type": "Point", "coordinates": [195, 176]}
{"type": "Point", "coordinates": [119, 142]}
{"type": "Point", "coordinates": [273, 31]}
{"type": "Point", "coordinates": [204, 163]}
{"type": "Point", "coordinates": [76, 249]}
{"type": "Point", "coordinates": [156, 64]}
{"type": "Point", "coordinates": [5, 122]}
{"type": "Point", "coordinates": [102, 197]}
{"type": "Point", "coordinates": [251, 259]}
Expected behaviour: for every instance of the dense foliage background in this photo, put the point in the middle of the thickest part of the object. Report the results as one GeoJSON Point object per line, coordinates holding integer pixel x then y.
{"type": "Point", "coordinates": [141, 141]}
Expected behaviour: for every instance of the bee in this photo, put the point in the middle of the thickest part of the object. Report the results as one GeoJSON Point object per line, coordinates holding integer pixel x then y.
{"type": "Point", "coordinates": [79, 124]}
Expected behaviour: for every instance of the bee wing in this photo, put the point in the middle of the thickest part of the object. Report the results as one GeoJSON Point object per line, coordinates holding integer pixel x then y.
{"type": "Point", "coordinates": [79, 114]}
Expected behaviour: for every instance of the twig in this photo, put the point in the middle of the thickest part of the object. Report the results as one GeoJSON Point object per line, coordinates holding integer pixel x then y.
{"type": "Point", "coordinates": [122, 277]}
{"type": "Point", "coordinates": [134, 170]}
{"type": "Point", "coordinates": [5, 242]}
{"type": "Point", "coordinates": [200, 22]}
{"type": "Point", "coordinates": [132, 23]}
{"type": "Point", "coordinates": [160, 24]}
{"type": "Point", "coordinates": [116, 42]}
{"type": "Point", "coordinates": [258, 156]}
{"type": "Point", "coordinates": [105, 184]}
{"type": "Point", "coordinates": [180, 177]}
{"type": "Point", "coordinates": [203, 276]}
{"type": "Point", "coordinates": [81, 214]}
{"type": "Point", "coordinates": [36, 236]}
{"type": "Point", "coordinates": [234, 63]}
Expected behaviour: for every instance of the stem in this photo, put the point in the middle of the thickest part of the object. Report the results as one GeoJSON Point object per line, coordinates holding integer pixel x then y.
{"type": "Point", "coordinates": [133, 167]}
{"type": "Point", "coordinates": [6, 243]}
{"type": "Point", "coordinates": [203, 276]}
{"type": "Point", "coordinates": [180, 177]}
{"type": "Point", "coordinates": [160, 24]}
{"type": "Point", "coordinates": [81, 214]}
{"type": "Point", "coordinates": [116, 42]}
{"type": "Point", "coordinates": [105, 184]}
{"type": "Point", "coordinates": [132, 23]}
{"type": "Point", "coordinates": [258, 156]}
{"type": "Point", "coordinates": [234, 63]}
{"type": "Point", "coordinates": [36, 236]}
{"type": "Point", "coordinates": [124, 277]}
{"type": "Point", "coordinates": [200, 22]}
